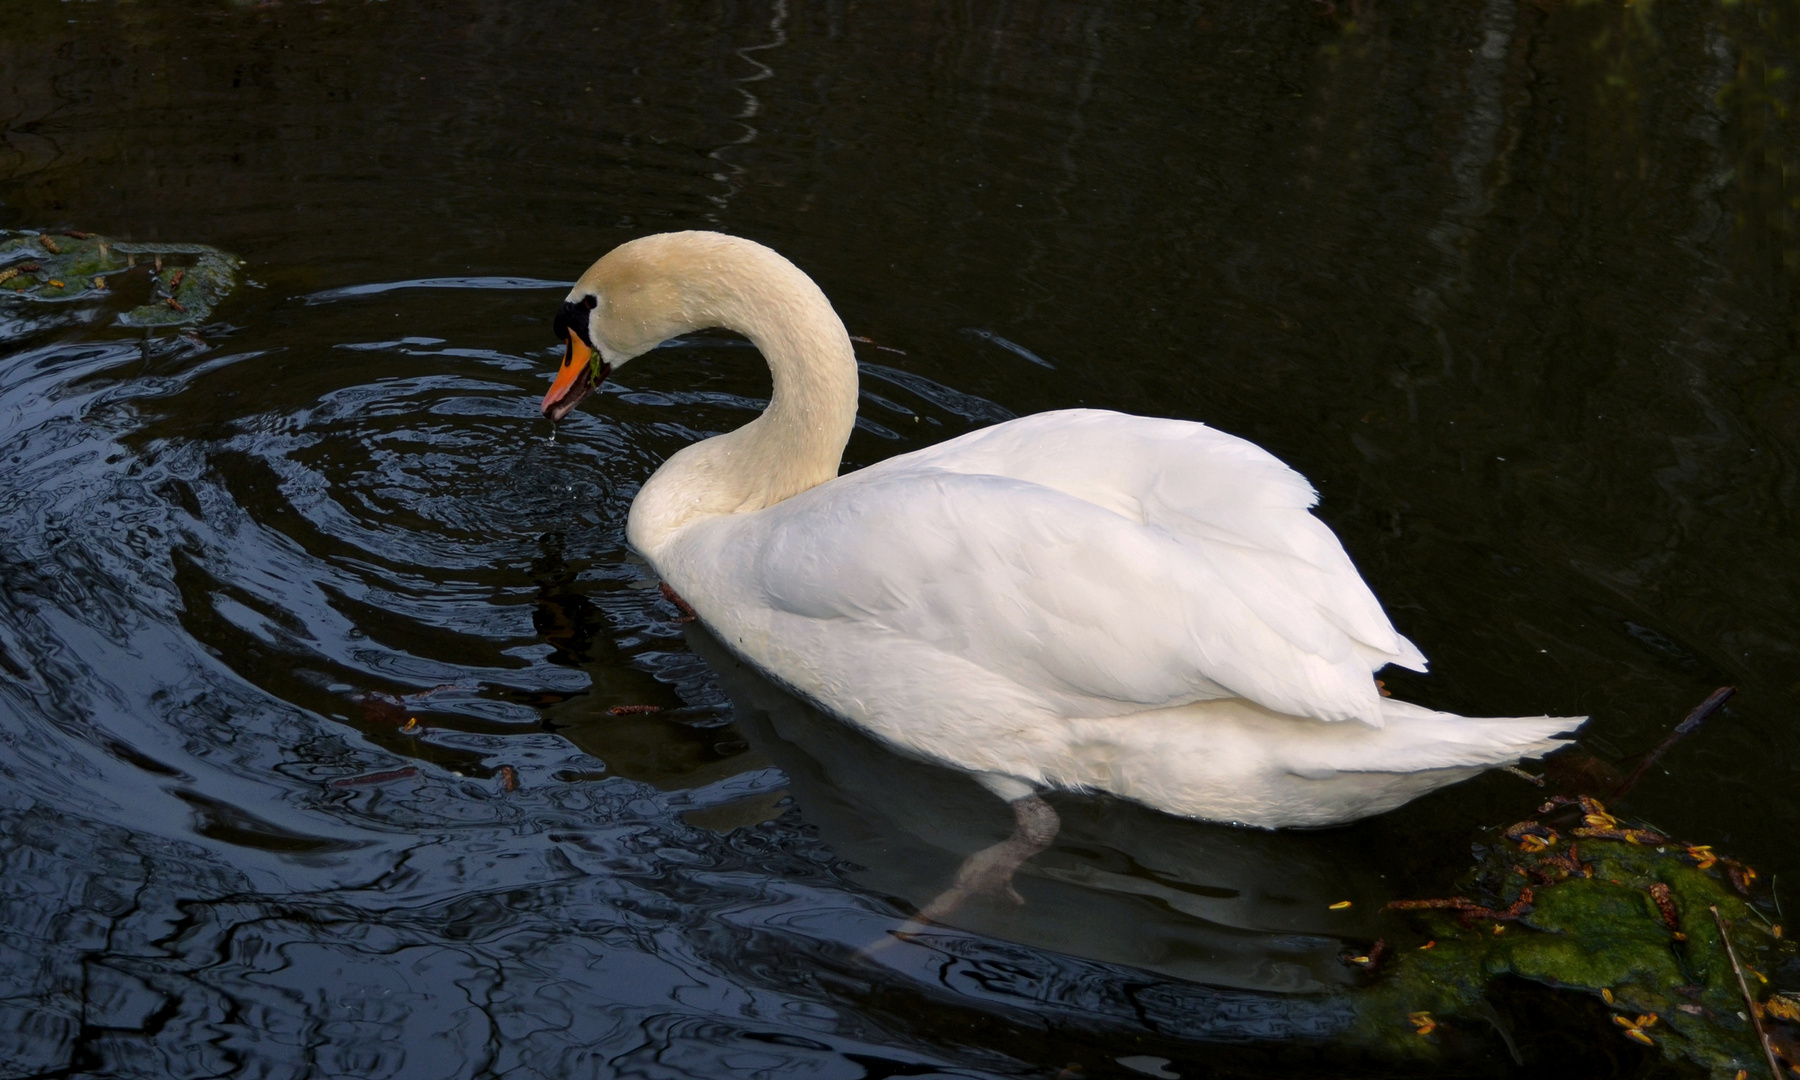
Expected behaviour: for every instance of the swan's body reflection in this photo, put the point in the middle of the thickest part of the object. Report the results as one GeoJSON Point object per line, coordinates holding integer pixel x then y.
{"type": "Point", "coordinates": [1122, 884]}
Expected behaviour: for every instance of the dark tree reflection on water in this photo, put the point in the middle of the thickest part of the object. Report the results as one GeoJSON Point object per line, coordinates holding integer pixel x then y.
{"type": "Point", "coordinates": [310, 640]}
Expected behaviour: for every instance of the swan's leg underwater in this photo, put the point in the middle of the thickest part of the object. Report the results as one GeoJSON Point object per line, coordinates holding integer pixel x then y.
{"type": "Point", "coordinates": [989, 870]}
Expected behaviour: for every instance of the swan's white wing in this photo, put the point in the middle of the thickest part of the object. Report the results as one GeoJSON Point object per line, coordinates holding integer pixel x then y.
{"type": "Point", "coordinates": [1248, 508]}
{"type": "Point", "coordinates": [1073, 601]}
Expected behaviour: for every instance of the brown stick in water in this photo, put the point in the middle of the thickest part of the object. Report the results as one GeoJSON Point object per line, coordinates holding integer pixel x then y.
{"type": "Point", "coordinates": [1694, 719]}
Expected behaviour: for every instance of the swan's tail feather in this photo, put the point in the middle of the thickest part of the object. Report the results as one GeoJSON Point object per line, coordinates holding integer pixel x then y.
{"type": "Point", "coordinates": [1232, 760]}
{"type": "Point", "coordinates": [1421, 738]}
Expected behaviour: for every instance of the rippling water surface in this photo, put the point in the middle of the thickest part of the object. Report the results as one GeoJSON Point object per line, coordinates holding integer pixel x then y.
{"type": "Point", "coordinates": [311, 633]}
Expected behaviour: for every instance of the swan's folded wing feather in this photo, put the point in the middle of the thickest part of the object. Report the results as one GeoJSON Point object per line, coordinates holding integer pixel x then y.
{"type": "Point", "coordinates": [1079, 603]}
{"type": "Point", "coordinates": [1202, 484]}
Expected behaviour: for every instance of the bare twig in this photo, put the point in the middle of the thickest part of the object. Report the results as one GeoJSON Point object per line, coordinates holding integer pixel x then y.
{"type": "Point", "coordinates": [1467, 909]}
{"type": "Point", "coordinates": [1749, 1002]}
{"type": "Point", "coordinates": [1523, 775]}
{"type": "Point", "coordinates": [374, 778]}
{"type": "Point", "coordinates": [1694, 719]}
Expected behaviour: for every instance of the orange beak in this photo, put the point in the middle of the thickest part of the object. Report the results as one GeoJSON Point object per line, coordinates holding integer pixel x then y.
{"type": "Point", "coordinates": [575, 380]}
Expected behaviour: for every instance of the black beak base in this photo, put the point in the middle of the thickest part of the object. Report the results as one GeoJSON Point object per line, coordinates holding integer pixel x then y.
{"type": "Point", "coordinates": [573, 315]}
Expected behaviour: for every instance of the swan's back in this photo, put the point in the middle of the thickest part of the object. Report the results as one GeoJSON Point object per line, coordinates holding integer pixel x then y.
{"type": "Point", "coordinates": [1248, 509]}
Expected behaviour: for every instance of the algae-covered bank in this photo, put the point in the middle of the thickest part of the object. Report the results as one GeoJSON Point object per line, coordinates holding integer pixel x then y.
{"type": "Point", "coordinates": [1583, 903]}
{"type": "Point", "coordinates": [140, 284]}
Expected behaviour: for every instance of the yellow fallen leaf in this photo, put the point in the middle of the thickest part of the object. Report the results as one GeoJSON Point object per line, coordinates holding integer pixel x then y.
{"type": "Point", "coordinates": [1786, 1008]}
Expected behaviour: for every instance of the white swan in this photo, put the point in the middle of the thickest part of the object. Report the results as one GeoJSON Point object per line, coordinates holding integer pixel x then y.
{"type": "Point", "coordinates": [1078, 599]}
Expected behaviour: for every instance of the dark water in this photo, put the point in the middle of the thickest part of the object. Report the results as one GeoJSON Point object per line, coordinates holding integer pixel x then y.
{"type": "Point", "coordinates": [1513, 283]}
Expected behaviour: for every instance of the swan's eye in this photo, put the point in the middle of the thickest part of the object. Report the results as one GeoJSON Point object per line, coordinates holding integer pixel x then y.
{"type": "Point", "coordinates": [591, 302]}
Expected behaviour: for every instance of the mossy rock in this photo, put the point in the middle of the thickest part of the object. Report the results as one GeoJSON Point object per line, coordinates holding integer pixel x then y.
{"type": "Point", "coordinates": [177, 284]}
{"type": "Point", "coordinates": [1610, 910]}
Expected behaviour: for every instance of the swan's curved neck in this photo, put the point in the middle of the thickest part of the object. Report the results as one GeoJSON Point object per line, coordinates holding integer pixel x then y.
{"type": "Point", "coordinates": [798, 441]}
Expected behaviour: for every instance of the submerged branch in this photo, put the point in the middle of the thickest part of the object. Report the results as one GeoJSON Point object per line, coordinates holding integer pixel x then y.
{"type": "Point", "coordinates": [1694, 719]}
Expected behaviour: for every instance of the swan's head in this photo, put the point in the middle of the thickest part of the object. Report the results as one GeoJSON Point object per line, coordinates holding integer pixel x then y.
{"type": "Point", "coordinates": [639, 295]}
{"type": "Point", "coordinates": [582, 370]}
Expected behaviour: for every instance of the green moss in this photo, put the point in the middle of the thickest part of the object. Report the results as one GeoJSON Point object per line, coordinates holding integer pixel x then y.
{"type": "Point", "coordinates": [100, 270]}
{"type": "Point", "coordinates": [1599, 931]}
